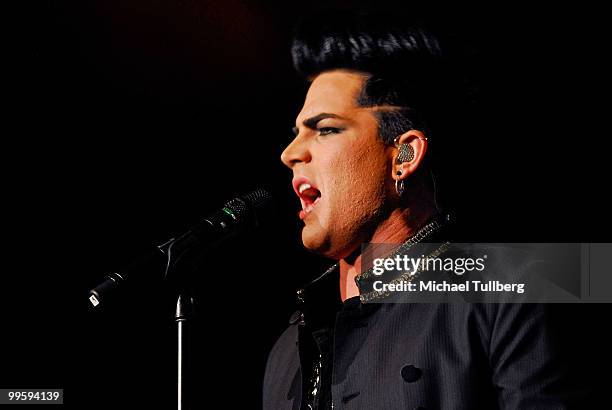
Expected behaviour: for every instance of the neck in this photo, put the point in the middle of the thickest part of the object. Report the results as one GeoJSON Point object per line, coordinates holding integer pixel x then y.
{"type": "Point", "coordinates": [396, 229]}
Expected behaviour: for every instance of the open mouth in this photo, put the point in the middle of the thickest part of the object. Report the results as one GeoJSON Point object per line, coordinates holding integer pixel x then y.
{"type": "Point", "coordinates": [309, 196]}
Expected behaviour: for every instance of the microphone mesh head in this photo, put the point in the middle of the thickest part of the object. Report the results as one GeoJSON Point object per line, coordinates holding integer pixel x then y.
{"type": "Point", "coordinates": [258, 199]}
{"type": "Point", "coordinates": [249, 204]}
{"type": "Point", "coordinates": [238, 208]}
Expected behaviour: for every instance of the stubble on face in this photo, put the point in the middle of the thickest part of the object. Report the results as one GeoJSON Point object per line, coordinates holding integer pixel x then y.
{"type": "Point", "coordinates": [352, 169]}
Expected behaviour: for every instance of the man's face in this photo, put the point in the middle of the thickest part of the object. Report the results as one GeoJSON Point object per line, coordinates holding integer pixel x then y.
{"type": "Point", "coordinates": [338, 153]}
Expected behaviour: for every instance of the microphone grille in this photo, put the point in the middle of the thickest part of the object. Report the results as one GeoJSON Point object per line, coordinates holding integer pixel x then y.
{"type": "Point", "coordinates": [258, 199]}
{"type": "Point", "coordinates": [250, 203]}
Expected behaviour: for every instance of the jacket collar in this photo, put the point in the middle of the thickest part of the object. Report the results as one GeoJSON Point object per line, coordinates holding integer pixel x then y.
{"type": "Point", "coordinates": [321, 297]}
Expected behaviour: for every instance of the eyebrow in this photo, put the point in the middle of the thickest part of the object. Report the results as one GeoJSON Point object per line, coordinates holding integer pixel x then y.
{"type": "Point", "coordinates": [313, 121]}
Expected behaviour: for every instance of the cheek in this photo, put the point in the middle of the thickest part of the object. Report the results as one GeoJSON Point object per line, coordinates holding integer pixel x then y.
{"type": "Point", "coordinates": [357, 180]}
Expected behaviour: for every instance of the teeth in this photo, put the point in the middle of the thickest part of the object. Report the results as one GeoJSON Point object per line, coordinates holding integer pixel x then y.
{"type": "Point", "coordinates": [303, 187]}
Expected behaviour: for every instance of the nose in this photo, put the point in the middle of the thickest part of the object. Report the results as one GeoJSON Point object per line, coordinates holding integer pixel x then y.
{"type": "Point", "coordinates": [297, 151]}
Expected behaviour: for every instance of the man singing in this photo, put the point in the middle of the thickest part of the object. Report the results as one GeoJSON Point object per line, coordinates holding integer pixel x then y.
{"type": "Point", "coordinates": [362, 171]}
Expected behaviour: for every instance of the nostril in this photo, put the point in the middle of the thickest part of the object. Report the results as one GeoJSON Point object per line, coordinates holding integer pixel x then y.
{"type": "Point", "coordinates": [288, 159]}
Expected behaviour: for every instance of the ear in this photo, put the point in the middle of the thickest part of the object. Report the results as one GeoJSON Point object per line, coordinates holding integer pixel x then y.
{"type": "Point", "coordinates": [418, 142]}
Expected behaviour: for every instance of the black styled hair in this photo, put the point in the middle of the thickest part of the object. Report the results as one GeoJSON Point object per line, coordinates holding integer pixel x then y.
{"type": "Point", "coordinates": [404, 65]}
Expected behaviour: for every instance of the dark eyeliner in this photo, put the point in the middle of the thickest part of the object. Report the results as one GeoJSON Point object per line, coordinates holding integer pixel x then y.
{"type": "Point", "coordinates": [329, 130]}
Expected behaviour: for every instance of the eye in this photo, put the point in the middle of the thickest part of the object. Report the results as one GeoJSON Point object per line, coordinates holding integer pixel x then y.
{"type": "Point", "coordinates": [329, 130]}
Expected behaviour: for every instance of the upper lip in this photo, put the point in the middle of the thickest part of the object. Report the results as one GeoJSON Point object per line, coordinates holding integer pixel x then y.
{"type": "Point", "coordinates": [297, 181]}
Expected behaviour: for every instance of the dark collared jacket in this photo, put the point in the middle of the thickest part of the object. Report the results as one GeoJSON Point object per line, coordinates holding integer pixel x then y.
{"type": "Point", "coordinates": [417, 355]}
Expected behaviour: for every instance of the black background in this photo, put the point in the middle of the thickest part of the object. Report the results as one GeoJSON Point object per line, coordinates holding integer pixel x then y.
{"type": "Point", "coordinates": [127, 121]}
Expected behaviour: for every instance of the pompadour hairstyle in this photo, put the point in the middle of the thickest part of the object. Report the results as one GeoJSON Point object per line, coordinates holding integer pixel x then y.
{"type": "Point", "coordinates": [405, 67]}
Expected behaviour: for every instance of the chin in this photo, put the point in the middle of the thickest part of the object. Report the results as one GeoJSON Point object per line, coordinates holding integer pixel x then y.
{"type": "Point", "coordinates": [320, 243]}
{"type": "Point", "coordinates": [316, 240]}
{"type": "Point", "coordinates": [313, 241]}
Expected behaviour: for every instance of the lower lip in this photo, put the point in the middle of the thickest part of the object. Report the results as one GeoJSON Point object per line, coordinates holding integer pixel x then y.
{"type": "Point", "coordinates": [303, 214]}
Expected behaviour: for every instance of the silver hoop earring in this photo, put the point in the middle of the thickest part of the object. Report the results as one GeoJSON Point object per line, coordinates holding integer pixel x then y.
{"type": "Point", "coordinates": [399, 187]}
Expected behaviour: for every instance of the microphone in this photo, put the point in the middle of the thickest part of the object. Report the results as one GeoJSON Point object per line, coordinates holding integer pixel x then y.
{"type": "Point", "coordinates": [237, 216]}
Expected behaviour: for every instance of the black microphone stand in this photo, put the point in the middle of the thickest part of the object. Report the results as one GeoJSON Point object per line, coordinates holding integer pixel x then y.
{"type": "Point", "coordinates": [183, 316]}
{"type": "Point", "coordinates": [181, 257]}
